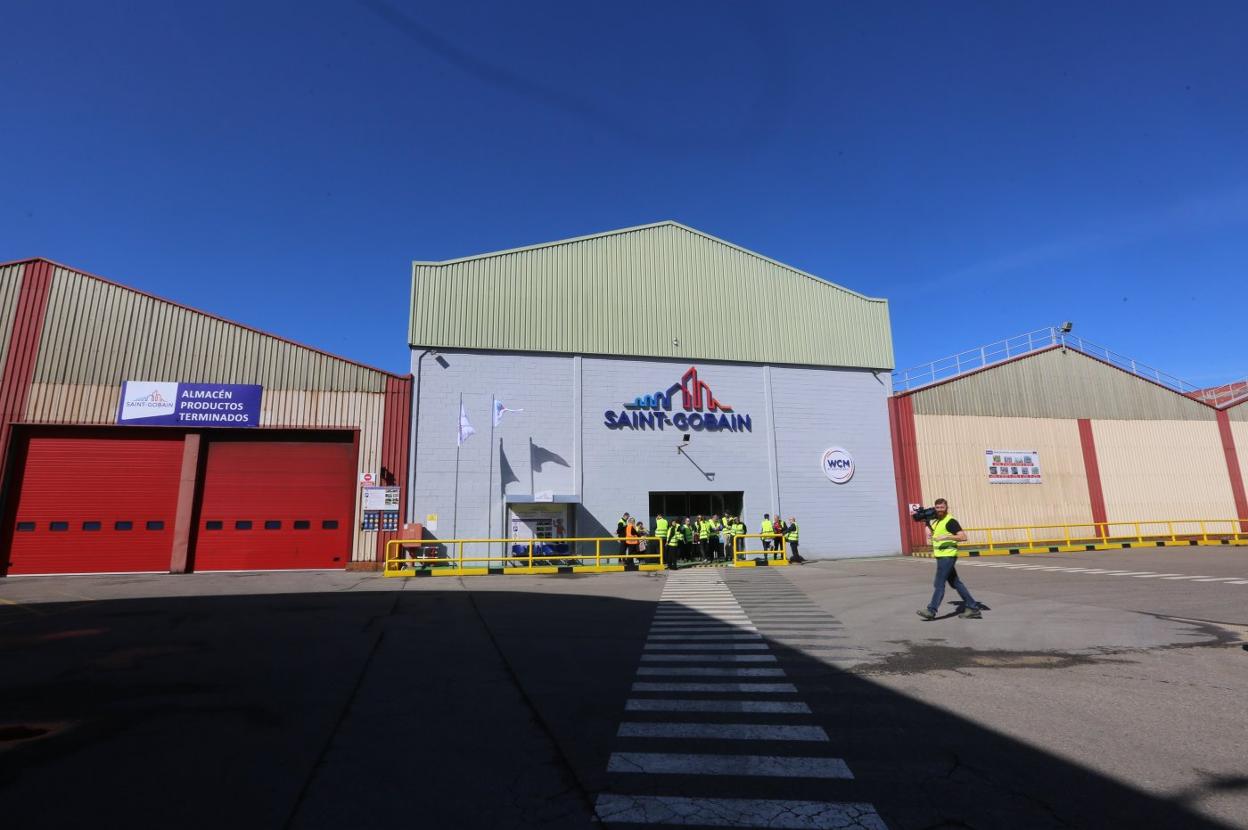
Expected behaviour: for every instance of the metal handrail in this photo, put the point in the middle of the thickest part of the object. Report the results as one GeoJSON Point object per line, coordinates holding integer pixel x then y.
{"type": "Point", "coordinates": [397, 562]}
{"type": "Point", "coordinates": [740, 554]}
{"type": "Point", "coordinates": [907, 380]}
{"type": "Point", "coordinates": [1072, 534]}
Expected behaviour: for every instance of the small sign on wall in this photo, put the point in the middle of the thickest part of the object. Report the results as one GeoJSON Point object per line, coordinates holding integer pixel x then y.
{"type": "Point", "coordinates": [382, 498]}
{"type": "Point", "coordinates": [431, 522]}
{"type": "Point", "coordinates": [1013, 466]}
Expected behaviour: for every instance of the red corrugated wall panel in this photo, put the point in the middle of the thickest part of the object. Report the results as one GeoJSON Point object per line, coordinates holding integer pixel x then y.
{"type": "Point", "coordinates": [273, 505]}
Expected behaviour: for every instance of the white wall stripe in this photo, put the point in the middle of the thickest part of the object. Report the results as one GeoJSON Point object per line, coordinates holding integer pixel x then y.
{"type": "Point", "coordinates": [737, 812]}
{"type": "Point", "coordinates": [770, 766]}
{"type": "Point", "coordinates": [723, 731]}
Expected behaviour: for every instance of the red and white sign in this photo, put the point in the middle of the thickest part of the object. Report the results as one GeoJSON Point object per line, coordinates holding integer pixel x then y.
{"type": "Point", "coordinates": [368, 479]}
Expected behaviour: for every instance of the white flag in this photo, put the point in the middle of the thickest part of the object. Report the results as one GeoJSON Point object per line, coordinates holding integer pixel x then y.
{"type": "Point", "coordinates": [499, 409]}
{"type": "Point", "coordinates": [465, 428]}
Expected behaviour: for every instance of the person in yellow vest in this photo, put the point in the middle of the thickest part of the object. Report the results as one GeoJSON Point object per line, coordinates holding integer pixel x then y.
{"type": "Point", "coordinates": [686, 542]}
{"type": "Point", "coordinates": [738, 529]}
{"type": "Point", "coordinates": [766, 529]}
{"type": "Point", "coordinates": [674, 538]}
{"type": "Point", "coordinates": [790, 533]}
{"type": "Point", "coordinates": [708, 535]}
{"type": "Point", "coordinates": [699, 543]}
{"type": "Point", "coordinates": [660, 530]}
{"type": "Point", "coordinates": [945, 533]}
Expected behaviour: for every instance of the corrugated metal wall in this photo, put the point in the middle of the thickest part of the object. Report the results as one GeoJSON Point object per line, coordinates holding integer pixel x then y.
{"type": "Point", "coordinates": [951, 465]}
{"type": "Point", "coordinates": [10, 287]}
{"type": "Point", "coordinates": [633, 292]}
{"type": "Point", "coordinates": [1239, 412]}
{"type": "Point", "coordinates": [96, 335]}
{"type": "Point", "coordinates": [1162, 470]}
{"type": "Point", "coordinates": [129, 335]}
{"type": "Point", "coordinates": [1239, 430]}
{"type": "Point", "coordinates": [1058, 384]}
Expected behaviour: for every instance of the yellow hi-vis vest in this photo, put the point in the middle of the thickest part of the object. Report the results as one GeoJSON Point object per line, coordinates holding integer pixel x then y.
{"type": "Point", "coordinates": [660, 528]}
{"type": "Point", "coordinates": [767, 526]}
{"type": "Point", "coordinates": [945, 547]}
{"type": "Point", "coordinates": [792, 534]}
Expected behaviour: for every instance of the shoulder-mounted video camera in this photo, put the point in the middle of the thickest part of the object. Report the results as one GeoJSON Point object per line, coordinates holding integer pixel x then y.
{"type": "Point", "coordinates": [924, 514]}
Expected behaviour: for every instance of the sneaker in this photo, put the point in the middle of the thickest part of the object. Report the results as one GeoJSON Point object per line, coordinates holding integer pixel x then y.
{"type": "Point", "coordinates": [971, 614]}
{"type": "Point", "coordinates": [926, 614]}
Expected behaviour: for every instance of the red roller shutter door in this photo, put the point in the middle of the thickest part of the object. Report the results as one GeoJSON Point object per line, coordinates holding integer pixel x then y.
{"type": "Point", "coordinates": [94, 504]}
{"type": "Point", "coordinates": [270, 505]}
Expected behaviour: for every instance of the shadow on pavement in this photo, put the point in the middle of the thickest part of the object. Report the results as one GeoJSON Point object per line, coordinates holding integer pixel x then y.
{"type": "Point", "coordinates": [453, 708]}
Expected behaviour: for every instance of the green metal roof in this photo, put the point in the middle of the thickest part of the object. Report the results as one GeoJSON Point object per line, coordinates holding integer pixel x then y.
{"type": "Point", "coordinates": [661, 290]}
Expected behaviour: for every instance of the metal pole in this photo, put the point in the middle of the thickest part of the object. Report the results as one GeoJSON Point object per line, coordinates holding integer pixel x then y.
{"type": "Point", "coordinates": [458, 442]}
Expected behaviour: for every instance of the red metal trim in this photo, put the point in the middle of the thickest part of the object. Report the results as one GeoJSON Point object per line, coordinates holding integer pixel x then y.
{"type": "Point", "coordinates": [19, 364]}
{"type": "Point", "coordinates": [395, 438]}
{"type": "Point", "coordinates": [54, 264]}
{"type": "Point", "coordinates": [1232, 468]}
{"type": "Point", "coordinates": [1092, 469]}
{"type": "Point", "coordinates": [183, 522]}
{"type": "Point", "coordinates": [905, 469]}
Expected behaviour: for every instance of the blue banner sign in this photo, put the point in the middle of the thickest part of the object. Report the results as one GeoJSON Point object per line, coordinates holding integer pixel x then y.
{"type": "Point", "coordinates": [166, 403]}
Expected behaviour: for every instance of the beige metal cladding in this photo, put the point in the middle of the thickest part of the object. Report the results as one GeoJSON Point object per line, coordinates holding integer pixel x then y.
{"type": "Point", "coordinates": [661, 290]}
{"type": "Point", "coordinates": [1058, 384]}
{"type": "Point", "coordinates": [1239, 431]}
{"type": "Point", "coordinates": [1238, 412]}
{"type": "Point", "coordinates": [1162, 470]}
{"type": "Point", "coordinates": [952, 465]}
{"type": "Point", "coordinates": [10, 287]}
{"type": "Point", "coordinates": [99, 334]}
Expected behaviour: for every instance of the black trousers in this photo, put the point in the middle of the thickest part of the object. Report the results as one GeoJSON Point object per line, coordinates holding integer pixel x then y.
{"type": "Point", "coordinates": [794, 555]}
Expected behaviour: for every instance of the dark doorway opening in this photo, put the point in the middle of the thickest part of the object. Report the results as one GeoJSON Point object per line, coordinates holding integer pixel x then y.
{"type": "Point", "coordinates": [680, 505]}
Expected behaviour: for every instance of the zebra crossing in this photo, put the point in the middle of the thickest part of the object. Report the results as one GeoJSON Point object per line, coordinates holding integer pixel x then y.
{"type": "Point", "coordinates": [1165, 577]}
{"type": "Point", "coordinates": [714, 730]}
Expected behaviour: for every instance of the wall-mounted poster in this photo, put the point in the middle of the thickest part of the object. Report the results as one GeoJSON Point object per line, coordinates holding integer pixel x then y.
{"type": "Point", "coordinates": [1013, 466]}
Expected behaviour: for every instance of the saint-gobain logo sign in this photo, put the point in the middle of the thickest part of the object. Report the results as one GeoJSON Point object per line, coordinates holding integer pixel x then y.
{"type": "Point", "coordinates": [148, 399]}
{"type": "Point", "coordinates": [838, 464]}
{"type": "Point", "coordinates": [703, 412]}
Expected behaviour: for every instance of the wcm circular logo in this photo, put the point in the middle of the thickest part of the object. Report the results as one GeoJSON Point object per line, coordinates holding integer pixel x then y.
{"type": "Point", "coordinates": [838, 465]}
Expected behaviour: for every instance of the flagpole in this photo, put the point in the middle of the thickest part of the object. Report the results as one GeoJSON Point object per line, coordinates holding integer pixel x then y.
{"type": "Point", "coordinates": [458, 443]}
{"type": "Point", "coordinates": [489, 488]}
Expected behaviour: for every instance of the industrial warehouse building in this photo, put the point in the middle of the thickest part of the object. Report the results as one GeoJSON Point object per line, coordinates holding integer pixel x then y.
{"type": "Point", "coordinates": [1053, 430]}
{"type": "Point", "coordinates": [140, 435]}
{"type": "Point", "coordinates": [650, 370]}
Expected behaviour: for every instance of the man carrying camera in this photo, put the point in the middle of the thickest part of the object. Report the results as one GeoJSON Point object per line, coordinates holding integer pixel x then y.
{"type": "Point", "coordinates": [945, 533]}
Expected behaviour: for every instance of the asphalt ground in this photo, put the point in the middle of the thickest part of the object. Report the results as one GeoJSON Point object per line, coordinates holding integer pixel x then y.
{"type": "Point", "coordinates": [1100, 690]}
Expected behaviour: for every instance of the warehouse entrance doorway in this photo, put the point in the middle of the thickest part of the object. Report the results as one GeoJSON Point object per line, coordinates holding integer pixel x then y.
{"type": "Point", "coordinates": [692, 504]}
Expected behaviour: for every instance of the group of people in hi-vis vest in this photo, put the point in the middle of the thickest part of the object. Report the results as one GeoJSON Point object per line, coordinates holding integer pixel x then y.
{"type": "Point", "coordinates": [705, 538]}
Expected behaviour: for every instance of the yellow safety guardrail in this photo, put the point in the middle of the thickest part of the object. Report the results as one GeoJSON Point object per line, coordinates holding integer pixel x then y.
{"type": "Point", "coordinates": [761, 558]}
{"type": "Point", "coordinates": [1084, 536]}
{"type": "Point", "coordinates": [520, 556]}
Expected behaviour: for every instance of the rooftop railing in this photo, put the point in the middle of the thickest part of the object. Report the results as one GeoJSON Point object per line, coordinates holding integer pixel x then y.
{"type": "Point", "coordinates": [907, 380]}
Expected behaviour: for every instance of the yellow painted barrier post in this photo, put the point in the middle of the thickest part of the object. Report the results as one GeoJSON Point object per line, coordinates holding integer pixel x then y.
{"type": "Point", "coordinates": [1030, 542]}
{"type": "Point", "coordinates": [1139, 537]}
{"type": "Point", "coordinates": [1170, 526]}
{"type": "Point", "coordinates": [1204, 532]}
{"type": "Point", "coordinates": [1104, 533]}
{"type": "Point", "coordinates": [990, 547]}
{"type": "Point", "coordinates": [597, 553]}
{"type": "Point", "coordinates": [1067, 529]}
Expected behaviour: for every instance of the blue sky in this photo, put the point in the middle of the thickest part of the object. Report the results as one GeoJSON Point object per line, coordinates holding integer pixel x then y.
{"type": "Point", "coordinates": [990, 168]}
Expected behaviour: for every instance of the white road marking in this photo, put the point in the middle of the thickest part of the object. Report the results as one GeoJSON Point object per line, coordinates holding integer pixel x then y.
{"type": "Point", "coordinates": [771, 766]}
{"type": "Point", "coordinates": [707, 646]}
{"type": "Point", "coordinates": [708, 658]}
{"type": "Point", "coordinates": [1202, 576]}
{"type": "Point", "coordinates": [723, 731]}
{"type": "Point", "coordinates": [774, 688]}
{"type": "Point", "coordinates": [692, 637]}
{"type": "Point", "coordinates": [1151, 576]}
{"type": "Point", "coordinates": [1216, 579]}
{"type": "Point", "coordinates": [760, 707]}
{"type": "Point", "coordinates": [737, 812]}
{"type": "Point", "coordinates": [705, 671]}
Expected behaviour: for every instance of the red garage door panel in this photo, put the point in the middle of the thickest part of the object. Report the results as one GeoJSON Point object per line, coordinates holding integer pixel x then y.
{"type": "Point", "coordinates": [95, 505]}
{"type": "Point", "coordinates": [276, 505]}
